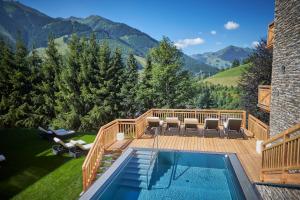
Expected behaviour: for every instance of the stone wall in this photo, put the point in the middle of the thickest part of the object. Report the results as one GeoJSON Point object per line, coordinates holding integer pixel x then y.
{"type": "Point", "coordinates": [285, 100]}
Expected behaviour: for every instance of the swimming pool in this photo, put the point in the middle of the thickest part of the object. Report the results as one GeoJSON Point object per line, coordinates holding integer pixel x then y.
{"type": "Point", "coordinates": [173, 175]}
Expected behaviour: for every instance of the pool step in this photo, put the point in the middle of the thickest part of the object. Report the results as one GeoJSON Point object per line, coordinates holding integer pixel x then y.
{"type": "Point", "coordinates": [135, 173]}
{"type": "Point", "coordinates": [134, 183]}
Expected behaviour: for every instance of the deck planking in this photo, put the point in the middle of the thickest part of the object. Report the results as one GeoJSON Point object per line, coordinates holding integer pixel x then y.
{"type": "Point", "coordinates": [244, 149]}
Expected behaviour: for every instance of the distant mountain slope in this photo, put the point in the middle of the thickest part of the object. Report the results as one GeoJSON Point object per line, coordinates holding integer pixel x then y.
{"type": "Point", "coordinates": [224, 57]}
{"type": "Point", "coordinates": [35, 28]}
{"type": "Point", "coordinates": [229, 77]}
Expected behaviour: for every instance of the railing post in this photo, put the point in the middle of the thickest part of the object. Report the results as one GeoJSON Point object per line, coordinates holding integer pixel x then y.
{"type": "Point", "coordinates": [284, 160]}
{"type": "Point", "coordinates": [244, 119]}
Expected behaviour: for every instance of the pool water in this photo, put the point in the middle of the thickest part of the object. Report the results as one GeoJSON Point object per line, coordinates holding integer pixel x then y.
{"type": "Point", "coordinates": [180, 176]}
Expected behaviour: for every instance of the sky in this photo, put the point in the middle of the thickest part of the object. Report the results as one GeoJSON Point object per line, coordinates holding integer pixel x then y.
{"type": "Point", "coordinates": [195, 26]}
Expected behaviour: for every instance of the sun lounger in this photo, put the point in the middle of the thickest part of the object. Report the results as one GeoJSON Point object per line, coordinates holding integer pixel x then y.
{"type": "Point", "coordinates": [190, 123]}
{"type": "Point", "coordinates": [211, 125]}
{"type": "Point", "coordinates": [2, 158]}
{"type": "Point", "coordinates": [63, 147]}
{"type": "Point", "coordinates": [80, 149]}
{"type": "Point", "coordinates": [46, 134]}
{"type": "Point", "coordinates": [233, 126]}
{"type": "Point", "coordinates": [153, 123]}
{"type": "Point", "coordinates": [62, 132]}
{"type": "Point", "coordinates": [173, 122]}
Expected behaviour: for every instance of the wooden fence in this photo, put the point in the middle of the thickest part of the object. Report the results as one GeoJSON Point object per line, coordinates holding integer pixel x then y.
{"type": "Point", "coordinates": [257, 128]}
{"type": "Point", "coordinates": [134, 128]}
{"type": "Point", "coordinates": [281, 157]}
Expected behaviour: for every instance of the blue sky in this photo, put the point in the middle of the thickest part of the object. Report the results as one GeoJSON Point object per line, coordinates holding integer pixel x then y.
{"type": "Point", "coordinates": [195, 26]}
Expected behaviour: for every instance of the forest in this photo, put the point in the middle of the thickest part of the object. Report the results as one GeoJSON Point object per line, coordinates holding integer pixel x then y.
{"type": "Point", "coordinates": [94, 84]}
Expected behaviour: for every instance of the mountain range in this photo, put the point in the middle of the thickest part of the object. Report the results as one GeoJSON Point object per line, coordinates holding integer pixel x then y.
{"type": "Point", "coordinates": [224, 57]}
{"type": "Point", "coordinates": [35, 28]}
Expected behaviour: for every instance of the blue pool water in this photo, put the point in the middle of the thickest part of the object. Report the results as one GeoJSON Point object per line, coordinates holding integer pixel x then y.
{"type": "Point", "coordinates": [181, 176]}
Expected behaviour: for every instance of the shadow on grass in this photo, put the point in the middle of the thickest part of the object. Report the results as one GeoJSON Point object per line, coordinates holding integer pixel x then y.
{"type": "Point", "coordinates": [29, 158]}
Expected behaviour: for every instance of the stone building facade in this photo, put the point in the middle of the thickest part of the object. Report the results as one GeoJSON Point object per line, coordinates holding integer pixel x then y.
{"type": "Point", "coordinates": [285, 99]}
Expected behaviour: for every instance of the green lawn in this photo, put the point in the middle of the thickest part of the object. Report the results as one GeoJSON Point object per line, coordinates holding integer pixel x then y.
{"type": "Point", "coordinates": [229, 77]}
{"type": "Point", "coordinates": [33, 172]}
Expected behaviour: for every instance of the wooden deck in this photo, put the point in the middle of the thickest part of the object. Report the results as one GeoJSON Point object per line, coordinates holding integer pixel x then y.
{"type": "Point", "coordinates": [245, 149]}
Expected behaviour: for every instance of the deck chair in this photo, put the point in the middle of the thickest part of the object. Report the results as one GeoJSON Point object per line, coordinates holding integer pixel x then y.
{"type": "Point", "coordinates": [233, 126]}
{"type": "Point", "coordinates": [80, 149]}
{"type": "Point", "coordinates": [153, 123]}
{"type": "Point", "coordinates": [211, 125]}
{"type": "Point", "coordinates": [190, 123]}
{"type": "Point", "coordinates": [173, 122]}
{"type": "Point", "coordinates": [62, 132]}
{"type": "Point", "coordinates": [2, 158]}
{"type": "Point", "coordinates": [45, 134]}
{"type": "Point", "coordinates": [63, 147]}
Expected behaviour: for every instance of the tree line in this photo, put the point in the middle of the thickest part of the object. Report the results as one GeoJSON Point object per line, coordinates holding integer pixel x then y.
{"type": "Point", "coordinates": [93, 84]}
{"type": "Point", "coordinates": [88, 87]}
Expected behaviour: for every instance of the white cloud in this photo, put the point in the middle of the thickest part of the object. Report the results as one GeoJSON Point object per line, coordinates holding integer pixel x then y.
{"type": "Point", "coordinates": [218, 43]}
{"type": "Point", "coordinates": [254, 44]}
{"type": "Point", "coordinates": [180, 44]}
{"type": "Point", "coordinates": [213, 32]}
{"type": "Point", "coordinates": [231, 25]}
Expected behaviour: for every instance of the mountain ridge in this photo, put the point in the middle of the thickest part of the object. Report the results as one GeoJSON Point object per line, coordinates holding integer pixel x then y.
{"type": "Point", "coordinates": [35, 28]}
{"type": "Point", "coordinates": [223, 58]}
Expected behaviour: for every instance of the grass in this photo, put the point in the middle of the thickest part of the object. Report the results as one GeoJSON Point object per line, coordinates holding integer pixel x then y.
{"type": "Point", "coordinates": [229, 77]}
{"type": "Point", "coordinates": [33, 172]}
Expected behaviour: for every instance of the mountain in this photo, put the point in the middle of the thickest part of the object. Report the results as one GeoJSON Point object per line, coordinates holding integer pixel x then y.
{"type": "Point", "coordinates": [35, 28]}
{"type": "Point", "coordinates": [224, 57]}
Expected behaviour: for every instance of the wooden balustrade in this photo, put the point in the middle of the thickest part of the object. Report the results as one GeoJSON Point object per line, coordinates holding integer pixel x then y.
{"type": "Point", "coordinates": [281, 157]}
{"type": "Point", "coordinates": [264, 97]}
{"type": "Point", "coordinates": [257, 128]}
{"type": "Point", "coordinates": [270, 39]}
{"type": "Point", "coordinates": [134, 128]}
{"type": "Point", "coordinates": [201, 115]}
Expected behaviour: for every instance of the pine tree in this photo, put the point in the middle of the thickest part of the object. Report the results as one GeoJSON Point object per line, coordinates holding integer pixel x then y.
{"type": "Point", "coordinates": [50, 71]}
{"type": "Point", "coordinates": [170, 82]}
{"type": "Point", "coordinates": [129, 88]}
{"type": "Point", "coordinates": [19, 98]}
{"type": "Point", "coordinates": [114, 82]}
{"type": "Point", "coordinates": [6, 66]}
{"type": "Point", "coordinates": [146, 94]}
{"type": "Point", "coordinates": [98, 92]}
{"type": "Point", "coordinates": [68, 103]}
{"type": "Point", "coordinates": [36, 117]}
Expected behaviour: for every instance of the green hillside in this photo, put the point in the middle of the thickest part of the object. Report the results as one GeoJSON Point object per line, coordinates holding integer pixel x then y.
{"type": "Point", "coordinates": [229, 77]}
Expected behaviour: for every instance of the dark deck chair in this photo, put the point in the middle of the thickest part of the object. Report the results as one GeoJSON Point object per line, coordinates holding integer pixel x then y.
{"type": "Point", "coordinates": [173, 122]}
{"type": "Point", "coordinates": [233, 127]}
{"type": "Point", "coordinates": [211, 125]}
{"type": "Point", "coordinates": [153, 123]}
{"type": "Point", "coordinates": [190, 123]}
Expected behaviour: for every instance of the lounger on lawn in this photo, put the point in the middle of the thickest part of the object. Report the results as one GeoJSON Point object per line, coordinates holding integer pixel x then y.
{"type": "Point", "coordinates": [2, 158]}
{"type": "Point", "coordinates": [173, 122]}
{"type": "Point", "coordinates": [211, 125]}
{"type": "Point", "coordinates": [190, 123]}
{"type": "Point", "coordinates": [80, 149]}
{"type": "Point", "coordinates": [62, 132]}
{"type": "Point", "coordinates": [63, 147]}
{"type": "Point", "coordinates": [233, 126]}
{"type": "Point", "coordinates": [46, 134]}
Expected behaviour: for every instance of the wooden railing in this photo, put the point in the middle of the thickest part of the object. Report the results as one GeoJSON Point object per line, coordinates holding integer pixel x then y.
{"type": "Point", "coordinates": [270, 40]}
{"type": "Point", "coordinates": [281, 157]}
{"type": "Point", "coordinates": [134, 128]}
{"type": "Point", "coordinates": [264, 97]}
{"type": "Point", "coordinates": [257, 128]}
{"type": "Point", "coordinates": [201, 115]}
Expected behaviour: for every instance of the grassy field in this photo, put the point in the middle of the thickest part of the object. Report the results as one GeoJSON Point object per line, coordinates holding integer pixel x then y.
{"type": "Point", "coordinates": [229, 77]}
{"type": "Point", "coordinates": [33, 172]}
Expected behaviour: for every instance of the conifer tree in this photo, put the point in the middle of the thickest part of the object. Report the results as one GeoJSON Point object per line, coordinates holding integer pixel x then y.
{"type": "Point", "coordinates": [68, 103]}
{"type": "Point", "coordinates": [146, 94]}
{"type": "Point", "coordinates": [6, 66]}
{"type": "Point", "coordinates": [170, 82]}
{"type": "Point", "coordinates": [129, 88]}
{"type": "Point", "coordinates": [50, 71]}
